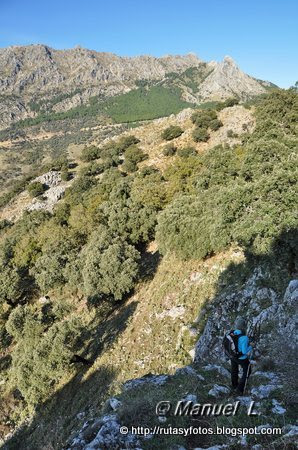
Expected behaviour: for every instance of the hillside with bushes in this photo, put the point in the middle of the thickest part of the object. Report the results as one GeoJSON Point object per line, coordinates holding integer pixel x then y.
{"type": "Point", "coordinates": [126, 250]}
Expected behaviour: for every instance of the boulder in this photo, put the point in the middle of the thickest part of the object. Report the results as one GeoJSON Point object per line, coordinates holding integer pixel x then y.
{"type": "Point", "coordinates": [218, 391]}
{"type": "Point", "coordinates": [114, 403]}
{"type": "Point", "coordinates": [277, 408]}
{"type": "Point", "coordinates": [149, 378]}
{"type": "Point", "coordinates": [264, 391]}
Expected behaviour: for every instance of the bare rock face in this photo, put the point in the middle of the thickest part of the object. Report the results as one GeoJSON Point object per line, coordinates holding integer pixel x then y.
{"type": "Point", "coordinates": [226, 80]}
{"type": "Point", "coordinates": [55, 191]}
{"type": "Point", "coordinates": [50, 179]}
{"type": "Point", "coordinates": [24, 69]}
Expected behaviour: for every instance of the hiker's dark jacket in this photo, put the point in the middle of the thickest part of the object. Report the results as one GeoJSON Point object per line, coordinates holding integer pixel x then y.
{"type": "Point", "coordinates": [243, 345]}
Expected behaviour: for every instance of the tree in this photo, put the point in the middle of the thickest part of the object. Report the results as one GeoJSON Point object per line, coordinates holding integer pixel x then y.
{"type": "Point", "coordinates": [59, 246]}
{"type": "Point", "coordinates": [186, 152]}
{"type": "Point", "coordinates": [16, 322]}
{"type": "Point", "coordinates": [42, 354]}
{"type": "Point", "coordinates": [171, 132]}
{"type": "Point", "coordinates": [11, 284]}
{"type": "Point", "coordinates": [188, 227]}
{"type": "Point", "coordinates": [111, 265]}
{"type": "Point", "coordinates": [149, 190]}
{"type": "Point", "coordinates": [80, 185]}
{"type": "Point", "coordinates": [132, 156]}
{"type": "Point", "coordinates": [90, 153]}
{"type": "Point", "coordinates": [118, 269]}
{"type": "Point", "coordinates": [131, 220]}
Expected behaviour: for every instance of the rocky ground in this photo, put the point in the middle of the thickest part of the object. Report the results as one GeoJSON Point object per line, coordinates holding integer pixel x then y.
{"type": "Point", "coordinates": [55, 189]}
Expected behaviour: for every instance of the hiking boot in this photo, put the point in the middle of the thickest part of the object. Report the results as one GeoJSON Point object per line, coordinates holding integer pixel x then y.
{"type": "Point", "coordinates": [238, 392]}
{"type": "Point", "coordinates": [233, 390]}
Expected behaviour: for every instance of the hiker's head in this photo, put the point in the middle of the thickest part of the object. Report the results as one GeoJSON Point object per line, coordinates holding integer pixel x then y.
{"type": "Point", "coordinates": [240, 324]}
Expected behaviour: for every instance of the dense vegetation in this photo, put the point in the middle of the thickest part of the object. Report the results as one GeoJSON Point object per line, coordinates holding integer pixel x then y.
{"type": "Point", "coordinates": [142, 104]}
{"type": "Point", "coordinates": [93, 244]}
{"type": "Point", "coordinates": [241, 194]}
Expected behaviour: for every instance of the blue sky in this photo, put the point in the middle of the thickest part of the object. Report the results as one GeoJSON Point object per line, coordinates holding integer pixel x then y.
{"type": "Point", "coordinates": [260, 35]}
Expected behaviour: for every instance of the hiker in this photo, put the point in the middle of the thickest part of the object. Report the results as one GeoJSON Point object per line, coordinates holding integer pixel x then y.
{"type": "Point", "coordinates": [237, 347]}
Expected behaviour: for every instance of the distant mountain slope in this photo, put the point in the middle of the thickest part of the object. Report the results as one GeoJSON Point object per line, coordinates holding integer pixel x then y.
{"type": "Point", "coordinates": [36, 78]}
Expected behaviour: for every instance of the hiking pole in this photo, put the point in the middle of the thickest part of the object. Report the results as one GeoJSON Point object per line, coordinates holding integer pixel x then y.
{"type": "Point", "coordinates": [247, 375]}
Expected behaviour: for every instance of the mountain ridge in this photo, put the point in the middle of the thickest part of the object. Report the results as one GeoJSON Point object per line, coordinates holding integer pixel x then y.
{"type": "Point", "coordinates": [39, 73]}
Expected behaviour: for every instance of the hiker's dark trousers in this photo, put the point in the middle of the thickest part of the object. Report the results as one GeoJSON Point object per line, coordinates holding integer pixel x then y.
{"type": "Point", "coordinates": [240, 385]}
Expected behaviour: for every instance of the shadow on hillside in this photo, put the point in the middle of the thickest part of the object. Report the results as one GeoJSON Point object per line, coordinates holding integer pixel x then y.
{"type": "Point", "coordinates": [149, 264]}
{"type": "Point", "coordinates": [55, 419]}
{"type": "Point", "coordinates": [108, 332]}
{"type": "Point", "coordinates": [281, 266]}
{"type": "Point", "coordinates": [281, 262]}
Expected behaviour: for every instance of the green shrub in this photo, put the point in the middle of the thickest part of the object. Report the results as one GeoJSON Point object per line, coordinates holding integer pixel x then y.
{"type": "Point", "coordinates": [184, 227]}
{"type": "Point", "coordinates": [134, 154]}
{"type": "Point", "coordinates": [186, 152]}
{"type": "Point", "coordinates": [4, 224]}
{"type": "Point", "coordinates": [16, 322]}
{"type": "Point", "coordinates": [12, 284]}
{"type": "Point", "coordinates": [126, 141]}
{"type": "Point", "coordinates": [79, 186]}
{"type": "Point", "coordinates": [130, 166]}
{"type": "Point", "coordinates": [182, 176]}
{"type": "Point", "coordinates": [202, 118]}
{"type": "Point", "coordinates": [36, 188]}
{"type": "Point", "coordinates": [200, 135]}
{"type": "Point", "coordinates": [171, 132]}
{"type": "Point", "coordinates": [231, 102]}
{"type": "Point", "coordinates": [231, 134]}
{"type": "Point", "coordinates": [65, 175]}
{"type": "Point", "coordinates": [215, 124]}
{"type": "Point", "coordinates": [57, 251]}
{"type": "Point", "coordinates": [133, 219]}
{"type": "Point", "coordinates": [60, 163]}
{"type": "Point", "coordinates": [169, 150]}
{"type": "Point", "coordinates": [94, 168]}
{"type": "Point", "coordinates": [149, 190]}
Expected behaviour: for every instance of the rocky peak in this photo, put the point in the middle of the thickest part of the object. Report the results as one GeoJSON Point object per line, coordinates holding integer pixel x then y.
{"type": "Point", "coordinates": [228, 60]}
{"type": "Point", "coordinates": [227, 80]}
